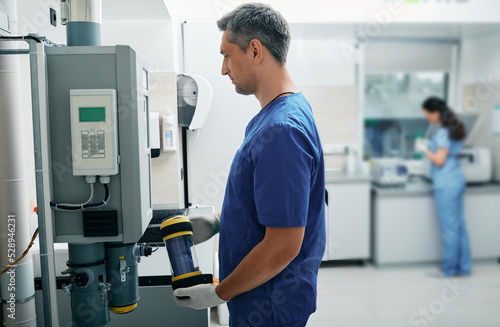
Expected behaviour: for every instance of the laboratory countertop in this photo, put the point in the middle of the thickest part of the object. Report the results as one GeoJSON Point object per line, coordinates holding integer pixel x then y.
{"type": "Point", "coordinates": [424, 187]}
{"type": "Point", "coordinates": [339, 176]}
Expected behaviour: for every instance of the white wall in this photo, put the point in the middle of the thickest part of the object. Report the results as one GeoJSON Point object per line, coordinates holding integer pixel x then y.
{"type": "Point", "coordinates": [318, 67]}
{"type": "Point", "coordinates": [152, 39]}
{"type": "Point", "coordinates": [319, 62]}
{"type": "Point", "coordinates": [348, 11]}
{"type": "Point", "coordinates": [211, 149]}
{"type": "Point", "coordinates": [411, 56]}
{"type": "Point", "coordinates": [146, 26]}
{"type": "Point", "coordinates": [487, 55]}
{"type": "Point", "coordinates": [34, 18]}
{"type": "Point", "coordinates": [468, 61]}
{"type": "Point", "coordinates": [484, 93]}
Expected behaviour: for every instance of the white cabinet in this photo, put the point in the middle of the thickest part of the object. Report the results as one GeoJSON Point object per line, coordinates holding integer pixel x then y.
{"type": "Point", "coordinates": [406, 227]}
{"type": "Point", "coordinates": [348, 220]}
{"type": "Point", "coordinates": [482, 215]}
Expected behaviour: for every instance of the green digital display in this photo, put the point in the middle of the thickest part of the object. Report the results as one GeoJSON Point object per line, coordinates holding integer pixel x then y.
{"type": "Point", "coordinates": [92, 114]}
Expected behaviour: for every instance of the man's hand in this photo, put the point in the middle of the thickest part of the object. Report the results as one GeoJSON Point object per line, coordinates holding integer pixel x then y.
{"type": "Point", "coordinates": [197, 297]}
{"type": "Point", "coordinates": [204, 227]}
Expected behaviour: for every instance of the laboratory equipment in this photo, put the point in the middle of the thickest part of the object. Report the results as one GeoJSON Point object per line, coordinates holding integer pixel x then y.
{"type": "Point", "coordinates": [177, 233]}
{"type": "Point", "coordinates": [94, 133]}
{"type": "Point", "coordinates": [393, 116]}
{"type": "Point", "coordinates": [389, 172]}
{"type": "Point", "coordinates": [102, 139]}
{"type": "Point", "coordinates": [83, 79]}
{"type": "Point", "coordinates": [122, 273]}
{"type": "Point", "coordinates": [83, 19]}
{"type": "Point", "coordinates": [476, 164]}
{"type": "Point", "coordinates": [89, 286]}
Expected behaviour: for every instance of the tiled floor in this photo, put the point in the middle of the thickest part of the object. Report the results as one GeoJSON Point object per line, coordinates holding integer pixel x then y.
{"type": "Point", "coordinates": [406, 296]}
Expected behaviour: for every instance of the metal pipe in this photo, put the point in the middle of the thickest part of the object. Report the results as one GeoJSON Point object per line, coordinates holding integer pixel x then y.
{"type": "Point", "coordinates": [83, 22]}
{"type": "Point", "coordinates": [85, 11]}
{"type": "Point", "coordinates": [17, 286]}
{"type": "Point", "coordinates": [89, 287]}
{"type": "Point", "coordinates": [39, 100]}
{"type": "Point", "coordinates": [87, 262]}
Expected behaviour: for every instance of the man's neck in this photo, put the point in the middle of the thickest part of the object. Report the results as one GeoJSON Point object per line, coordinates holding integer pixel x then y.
{"type": "Point", "coordinates": [279, 82]}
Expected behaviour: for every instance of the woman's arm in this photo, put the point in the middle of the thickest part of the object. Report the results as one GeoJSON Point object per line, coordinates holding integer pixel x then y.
{"type": "Point", "coordinates": [438, 158]}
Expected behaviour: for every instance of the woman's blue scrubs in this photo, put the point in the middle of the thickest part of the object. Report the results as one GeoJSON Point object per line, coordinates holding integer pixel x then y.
{"type": "Point", "coordinates": [449, 186]}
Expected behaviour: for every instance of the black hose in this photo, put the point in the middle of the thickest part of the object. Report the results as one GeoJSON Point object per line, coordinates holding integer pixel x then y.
{"type": "Point", "coordinates": [14, 51]}
{"type": "Point", "coordinates": [22, 38]}
{"type": "Point", "coordinates": [87, 206]}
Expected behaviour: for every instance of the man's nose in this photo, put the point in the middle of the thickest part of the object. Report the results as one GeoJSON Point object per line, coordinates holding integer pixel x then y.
{"type": "Point", "coordinates": [224, 70]}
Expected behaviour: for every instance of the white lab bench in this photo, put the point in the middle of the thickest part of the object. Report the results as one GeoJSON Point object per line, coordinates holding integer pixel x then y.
{"type": "Point", "coordinates": [347, 216]}
{"type": "Point", "coordinates": [406, 227]}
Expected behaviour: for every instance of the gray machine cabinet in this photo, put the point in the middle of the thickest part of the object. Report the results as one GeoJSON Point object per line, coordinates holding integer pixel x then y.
{"type": "Point", "coordinates": [109, 67]}
{"type": "Point", "coordinates": [156, 308]}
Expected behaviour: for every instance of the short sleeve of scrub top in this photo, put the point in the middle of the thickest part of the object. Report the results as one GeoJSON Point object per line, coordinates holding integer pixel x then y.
{"type": "Point", "coordinates": [442, 139]}
{"type": "Point", "coordinates": [282, 178]}
{"type": "Point", "coordinates": [450, 173]}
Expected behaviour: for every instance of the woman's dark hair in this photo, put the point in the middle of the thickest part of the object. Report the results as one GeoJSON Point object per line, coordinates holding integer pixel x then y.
{"type": "Point", "coordinates": [449, 119]}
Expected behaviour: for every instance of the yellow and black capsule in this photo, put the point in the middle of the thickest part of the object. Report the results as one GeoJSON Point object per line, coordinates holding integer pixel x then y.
{"type": "Point", "coordinates": [177, 233]}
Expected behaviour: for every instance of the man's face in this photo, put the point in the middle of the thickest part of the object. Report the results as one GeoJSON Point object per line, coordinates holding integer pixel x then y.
{"type": "Point", "coordinates": [237, 66]}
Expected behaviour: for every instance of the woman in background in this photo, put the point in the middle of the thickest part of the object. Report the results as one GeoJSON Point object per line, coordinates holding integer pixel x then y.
{"type": "Point", "coordinates": [449, 185]}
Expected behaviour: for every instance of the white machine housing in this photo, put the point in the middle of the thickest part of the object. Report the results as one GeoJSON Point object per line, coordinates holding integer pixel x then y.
{"type": "Point", "coordinates": [389, 171]}
{"type": "Point", "coordinates": [476, 165]}
{"type": "Point", "coordinates": [94, 132]}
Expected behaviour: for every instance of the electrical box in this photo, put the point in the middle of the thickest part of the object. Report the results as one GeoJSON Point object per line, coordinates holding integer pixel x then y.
{"type": "Point", "coordinates": [94, 132]}
{"type": "Point", "coordinates": [99, 125]}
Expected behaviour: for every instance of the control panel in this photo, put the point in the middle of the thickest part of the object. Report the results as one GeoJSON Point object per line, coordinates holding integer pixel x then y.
{"type": "Point", "coordinates": [94, 132]}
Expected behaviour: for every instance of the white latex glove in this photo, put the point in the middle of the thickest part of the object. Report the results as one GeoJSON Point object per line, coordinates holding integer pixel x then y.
{"type": "Point", "coordinates": [199, 297]}
{"type": "Point", "coordinates": [204, 227]}
{"type": "Point", "coordinates": [421, 145]}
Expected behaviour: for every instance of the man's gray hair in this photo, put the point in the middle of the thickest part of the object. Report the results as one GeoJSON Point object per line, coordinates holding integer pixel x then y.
{"type": "Point", "coordinates": [258, 21]}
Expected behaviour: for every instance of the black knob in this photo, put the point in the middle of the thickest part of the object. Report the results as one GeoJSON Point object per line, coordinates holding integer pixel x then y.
{"type": "Point", "coordinates": [81, 279]}
{"type": "Point", "coordinates": [148, 251]}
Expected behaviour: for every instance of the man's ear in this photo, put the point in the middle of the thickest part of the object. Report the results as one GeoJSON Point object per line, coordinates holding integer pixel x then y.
{"type": "Point", "coordinates": [255, 49]}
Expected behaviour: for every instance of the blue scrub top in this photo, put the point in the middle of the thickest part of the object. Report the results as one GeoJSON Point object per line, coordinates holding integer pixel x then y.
{"type": "Point", "coordinates": [277, 179]}
{"type": "Point", "coordinates": [450, 174]}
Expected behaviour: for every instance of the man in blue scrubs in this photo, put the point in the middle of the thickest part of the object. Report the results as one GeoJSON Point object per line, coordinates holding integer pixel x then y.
{"type": "Point", "coordinates": [272, 225]}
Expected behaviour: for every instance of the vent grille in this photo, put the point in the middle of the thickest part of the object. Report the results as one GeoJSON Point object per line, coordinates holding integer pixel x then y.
{"type": "Point", "coordinates": [100, 223]}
